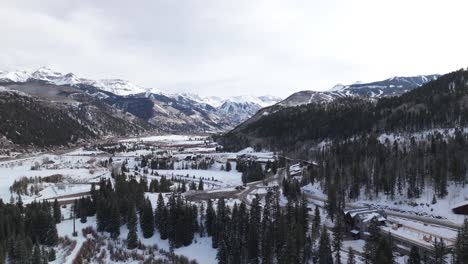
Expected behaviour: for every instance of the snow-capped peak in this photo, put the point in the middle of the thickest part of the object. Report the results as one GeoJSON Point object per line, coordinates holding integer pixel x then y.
{"type": "Point", "coordinates": [46, 74]}
{"type": "Point", "coordinates": [14, 76]}
{"type": "Point", "coordinates": [337, 87]}
{"type": "Point", "coordinates": [218, 101]}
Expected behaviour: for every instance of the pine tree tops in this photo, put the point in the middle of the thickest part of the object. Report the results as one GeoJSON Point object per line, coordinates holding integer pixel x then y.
{"type": "Point", "coordinates": [132, 237]}
{"type": "Point", "coordinates": [325, 252]}
{"type": "Point", "coordinates": [461, 245]}
{"type": "Point", "coordinates": [439, 254]}
{"type": "Point", "coordinates": [414, 257]}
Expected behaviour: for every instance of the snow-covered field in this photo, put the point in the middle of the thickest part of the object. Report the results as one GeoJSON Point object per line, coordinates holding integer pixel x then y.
{"type": "Point", "coordinates": [81, 167]}
{"type": "Point", "coordinates": [170, 139]}
{"type": "Point", "coordinates": [75, 171]}
{"type": "Point", "coordinates": [423, 206]}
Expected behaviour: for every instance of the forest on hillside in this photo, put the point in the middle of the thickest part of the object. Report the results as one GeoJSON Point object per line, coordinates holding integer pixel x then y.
{"type": "Point", "coordinates": [438, 104]}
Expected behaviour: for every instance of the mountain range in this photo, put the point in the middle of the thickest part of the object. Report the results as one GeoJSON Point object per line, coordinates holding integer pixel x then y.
{"type": "Point", "coordinates": [165, 111]}
{"type": "Point", "coordinates": [396, 105]}
{"type": "Point", "coordinates": [390, 87]}
{"type": "Point", "coordinates": [118, 107]}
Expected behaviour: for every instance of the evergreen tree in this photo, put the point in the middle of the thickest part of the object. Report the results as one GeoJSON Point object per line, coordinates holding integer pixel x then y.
{"type": "Point", "coordinates": [439, 255]}
{"type": "Point", "coordinates": [51, 255]}
{"type": "Point", "coordinates": [332, 200]}
{"type": "Point", "coordinates": [113, 223]}
{"type": "Point", "coordinates": [132, 237]}
{"type": "Point", "coordinates": [461, 245]}
{"type": "Point", "coordinates": [338, 238]}
{"type": "Point", "coordinates": [158, 212]}
{"type": "Point", "coordinates": [147, 219]}
{"type": "Point", "coordinates": [57, 212]}
{"type": "Point", "coordinates": [384, 252]}
{"type": "Point", "coordinates": [414, 257]}
{"type": "Point", "coordinates": [351, 256]}
{"type": "Point", "coordinates": [222, 256]}
{"type": "Point", "coordinates": [83, 212]}
{"type": "Point", "coordinates": [325, 253]}
{"type": "Point", "coordinates": [253, 240]}
{"type": "Point", "coordinates": [211, 223]}
{"type": "Point", "coordinates": [372, 243]}
{"type": "Point", "coordinates": [200, 185]}
{"type": "Point", "coordinates": [228, 166]}
{"type": "Point", "coordinates": [36, 256]}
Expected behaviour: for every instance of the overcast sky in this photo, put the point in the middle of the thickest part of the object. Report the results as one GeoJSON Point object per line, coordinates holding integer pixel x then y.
{"type": "Point", "coordinates": [216, 47]}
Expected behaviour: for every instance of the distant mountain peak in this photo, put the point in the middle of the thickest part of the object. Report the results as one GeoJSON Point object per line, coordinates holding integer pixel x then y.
{"type": "Point", "coordinates": [230, 110]}
{"type": "Point", "coordinates": [393, 86]}
{"type": "Point", "coordinates": [337, 87]}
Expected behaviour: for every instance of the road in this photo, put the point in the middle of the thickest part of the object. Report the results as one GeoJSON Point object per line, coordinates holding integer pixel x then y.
{"type": "Point", "coordinates": [427, 220]}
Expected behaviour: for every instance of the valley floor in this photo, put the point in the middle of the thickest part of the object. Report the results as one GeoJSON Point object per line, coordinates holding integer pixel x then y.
{"type": "Point", "coordinates": [417, 219]}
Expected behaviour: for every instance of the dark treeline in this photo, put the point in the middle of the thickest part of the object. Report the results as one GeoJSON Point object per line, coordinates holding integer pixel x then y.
{"type": "Point", "coordinates": [27, 233]}
{"type": "Point", "coordinates": [116, 205]}
{"type": "Point", "coordinates": [437, 104]}
{"type": "Point", "coordinates": [26, 120]}
{"type": "Point", "coordinates": [268, 234]}
{"type": "Point", "coordinates": [156, 163]}
{"type": "Point", "coordinates": [251, 170]}
{"type": "Point", "coordinates": [392, 168]}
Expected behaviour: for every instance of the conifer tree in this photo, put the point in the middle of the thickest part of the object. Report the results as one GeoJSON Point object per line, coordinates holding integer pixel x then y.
{"type": "Point", "coordinates": [325, 253]}
{"type": "Point", "coordinates": [338, 238]}
{"type": "Point", "coordinates": [57, 213]}
{"type": "Point", "coordinates": [372, 243]}
{"type": "Point", "coordinates": [254, 229]}
{"type": "Point", "coordinates": [200, 185]}
{"type": "Point", "coordinates": [36, 256]}
{"type": "Point", "coordinates": [439, 255]}
{"type": "Point", "coordinates": [132, 237]}
{"type": "Point", "coordinates": [351, 256]}
{"type": "Point", "coordinates": [147, 219]}
{"type": "Point", "coordinates": [461, 245]}
{"type": "Point", "coordinates": [158, 212]}
{"type": "Point", "coordinates": [113, 223]}
{"type": "Point", "coordinates": [51, 255]}
{"type": "Point", "coordinates": [222, 256]}
{"type": "Point", "coordinates": [384, 252]}
{"type": "Point", "coordinates": [211, 223]}
{"type": "Point", "coordinates": [414, 257]}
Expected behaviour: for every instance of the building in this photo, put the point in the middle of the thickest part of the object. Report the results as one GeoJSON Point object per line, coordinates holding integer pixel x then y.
{"type": "Point", "coordinates": [359, 220]}
{"type": "Point", "coordinates": [461, 208]}
{"type": "Point", "coordinates": [295, 170]}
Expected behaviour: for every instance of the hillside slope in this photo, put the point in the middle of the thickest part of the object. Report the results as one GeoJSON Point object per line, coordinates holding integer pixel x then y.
{"type": "Point", "coordinates": [43, 114]}
{"type": "Point", "coordinates": [440, 103]}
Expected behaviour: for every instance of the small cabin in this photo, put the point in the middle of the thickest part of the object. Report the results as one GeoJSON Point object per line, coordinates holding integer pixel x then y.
{"type": "Point", "coordinates": [359, 219]}
{"type": "Point", "coordinates": [461, 208]}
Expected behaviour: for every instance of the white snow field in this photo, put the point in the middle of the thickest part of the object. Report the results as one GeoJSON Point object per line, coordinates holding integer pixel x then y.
{"type": "Point", "coordinates": [76, 172]}
{"type": "Point", "coordinates": [171, 139]}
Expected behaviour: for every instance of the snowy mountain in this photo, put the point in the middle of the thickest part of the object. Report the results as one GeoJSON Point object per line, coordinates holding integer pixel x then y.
{"type": "Point", "coordinates": [162, 111]}
{"type": "Point", "coordinates": [236, 108]}
{"type": "Point", "coordinates": [46, 74]}
{"type": "Point", "coordinates": [390, 87]}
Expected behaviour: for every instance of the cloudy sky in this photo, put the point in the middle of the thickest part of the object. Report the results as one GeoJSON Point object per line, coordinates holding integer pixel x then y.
{"type": "Point", "coordinates": [221, 47]}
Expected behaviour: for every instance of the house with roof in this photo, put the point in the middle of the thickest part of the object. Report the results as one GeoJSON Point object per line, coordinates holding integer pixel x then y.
{"type": "Point", "coordinates": [359, 220]}
{"type": "Point", "coordinates": [461, 208]}
{"type": "Point", "coordinates": [295, 170]}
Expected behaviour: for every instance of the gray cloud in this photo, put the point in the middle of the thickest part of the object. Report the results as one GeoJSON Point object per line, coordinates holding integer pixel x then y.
{"type": "Point", "coordinates": [217, 47]}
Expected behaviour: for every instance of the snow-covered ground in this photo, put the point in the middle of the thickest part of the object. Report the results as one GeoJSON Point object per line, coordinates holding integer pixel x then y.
{"type": "Point", "coordinates": [226, 179]}
{"type": "Point", "coordinates": [171, 139]}
{"type": "Point", "coordinates": [423, 206]}
{"type": "Point", "coordinates": [76, 171]}
{"type": "Point", "coordinates": [422, 135]}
